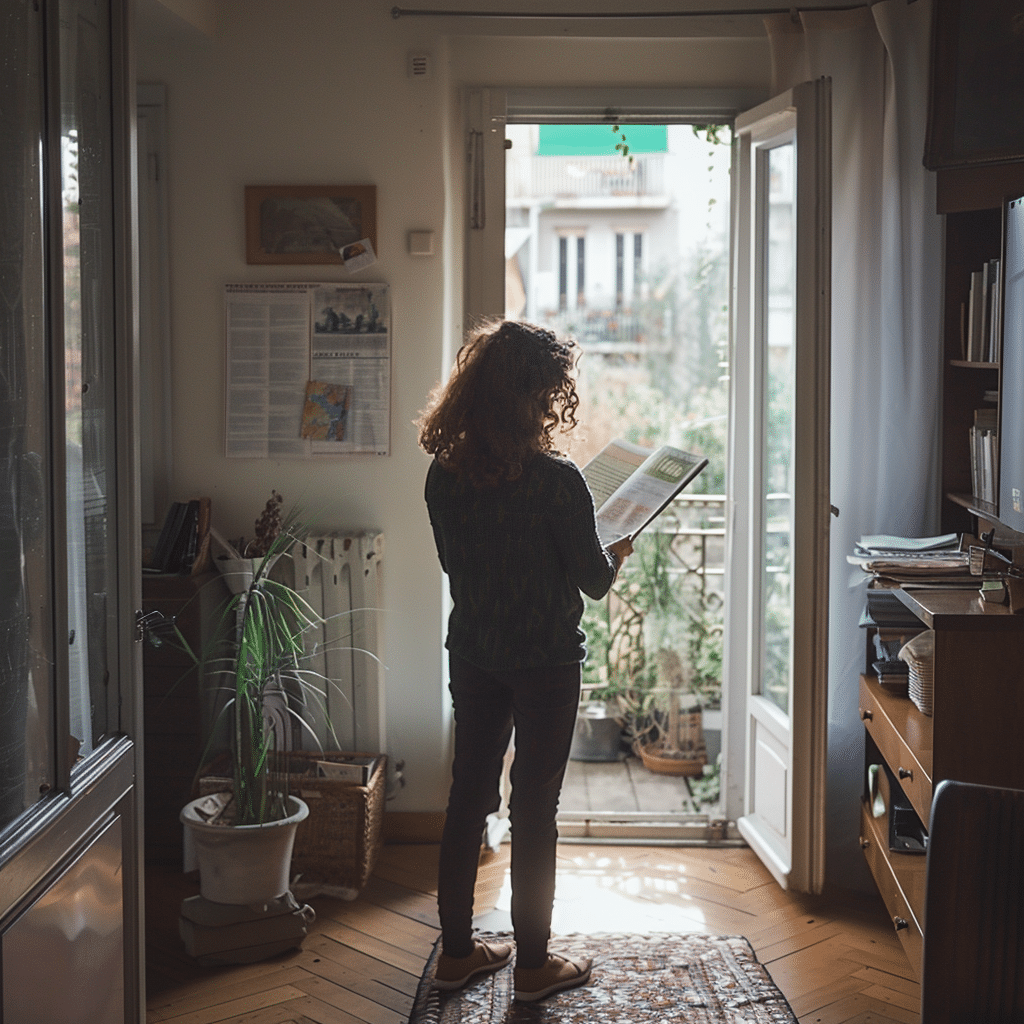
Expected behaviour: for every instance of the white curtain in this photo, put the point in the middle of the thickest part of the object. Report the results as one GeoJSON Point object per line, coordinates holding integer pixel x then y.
{"type": "Point", "coordinates": [886, 331]}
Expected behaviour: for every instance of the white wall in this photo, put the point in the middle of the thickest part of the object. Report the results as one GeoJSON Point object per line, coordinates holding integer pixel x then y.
{"type": "Point", "coordinates": [317, 92]}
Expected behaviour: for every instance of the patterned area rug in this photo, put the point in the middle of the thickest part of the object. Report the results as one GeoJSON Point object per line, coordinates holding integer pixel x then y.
{"type": "Point", "coordinates": [637, 979]}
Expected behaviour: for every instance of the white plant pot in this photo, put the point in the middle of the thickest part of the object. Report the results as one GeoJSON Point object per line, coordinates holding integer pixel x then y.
{"type": "Point", "coordinates": [238, 573]}
{"type": "Point", "coordinates": [243, 865]}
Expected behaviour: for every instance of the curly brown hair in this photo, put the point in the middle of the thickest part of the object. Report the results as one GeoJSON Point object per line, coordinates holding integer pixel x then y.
{"type": "Point", "coordinates": [511, 388]}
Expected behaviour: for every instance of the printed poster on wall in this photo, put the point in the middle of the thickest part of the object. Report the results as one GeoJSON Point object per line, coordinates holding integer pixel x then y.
{"type": "Point", "coordinates": [308, 370]}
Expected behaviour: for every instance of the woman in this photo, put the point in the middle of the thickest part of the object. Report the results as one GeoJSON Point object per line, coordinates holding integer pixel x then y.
{"type": "Point", "coordinates": [516, 534]}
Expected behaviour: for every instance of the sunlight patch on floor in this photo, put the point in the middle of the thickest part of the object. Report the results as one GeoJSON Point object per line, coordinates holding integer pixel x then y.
{"type": "Point", "coordinates": [606, 896]}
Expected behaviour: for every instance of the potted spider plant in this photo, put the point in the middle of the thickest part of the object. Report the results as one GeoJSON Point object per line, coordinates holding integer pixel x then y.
{"type": "Point", "coordinates": [257, 651]}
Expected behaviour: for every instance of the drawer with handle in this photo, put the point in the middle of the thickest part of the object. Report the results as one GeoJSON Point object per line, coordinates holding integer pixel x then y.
{"type": "Point", "coordinates": [877, 714]}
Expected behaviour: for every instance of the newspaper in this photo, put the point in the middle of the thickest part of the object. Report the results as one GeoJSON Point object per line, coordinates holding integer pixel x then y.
{"type": "Point", "coordinates": [632, 485]}
{"type": "Point", "coordinates": [281, 338]}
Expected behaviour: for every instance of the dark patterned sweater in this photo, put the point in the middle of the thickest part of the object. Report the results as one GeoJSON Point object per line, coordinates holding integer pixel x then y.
{"type": "Point", "coordinates": [517, 556]}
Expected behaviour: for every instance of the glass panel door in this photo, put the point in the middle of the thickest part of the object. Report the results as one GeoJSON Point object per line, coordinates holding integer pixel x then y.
{"type": "Point", "coordinates": [26, 610]}
{"type": "Point", "coordinates": [68, 574]}
{"type": "Point", "coordinates": [776, 628]}
{"type": "Point", "coordinates": [88, 239]}
{"type": "Point", "coordinates": [778, 182]}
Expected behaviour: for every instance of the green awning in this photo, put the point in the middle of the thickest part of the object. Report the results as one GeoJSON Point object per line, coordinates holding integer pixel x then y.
{"type": "Point", "coordinates": [599, 139]}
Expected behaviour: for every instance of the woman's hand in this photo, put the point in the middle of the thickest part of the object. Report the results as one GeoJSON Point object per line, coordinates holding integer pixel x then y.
{"type": "Point", "coordinates": [620, 549]}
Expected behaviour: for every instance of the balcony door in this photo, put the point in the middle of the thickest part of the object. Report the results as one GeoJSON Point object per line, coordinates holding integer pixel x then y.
{"type": "Point", "coordinates": [776, 592]}
{"type": "Point", "coordinates": [777, 611]}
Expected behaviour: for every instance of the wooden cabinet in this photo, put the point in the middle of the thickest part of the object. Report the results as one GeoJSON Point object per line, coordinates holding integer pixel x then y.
{"type": "Point", "coordinates": [177, 706]}
{"type": "Point", "coordinates": [974, 734]}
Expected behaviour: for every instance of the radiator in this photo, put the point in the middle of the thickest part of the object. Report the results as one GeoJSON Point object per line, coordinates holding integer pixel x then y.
{"type": "Point", "coordinates": [340, 576]}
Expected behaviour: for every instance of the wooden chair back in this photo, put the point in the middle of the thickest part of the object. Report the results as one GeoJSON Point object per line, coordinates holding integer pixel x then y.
{"type": "Point", "coordinates": [974, 907]}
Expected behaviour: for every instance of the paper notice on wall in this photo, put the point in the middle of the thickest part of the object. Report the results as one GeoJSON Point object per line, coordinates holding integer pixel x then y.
{"type": "Point", "coordinates": [282, 337]}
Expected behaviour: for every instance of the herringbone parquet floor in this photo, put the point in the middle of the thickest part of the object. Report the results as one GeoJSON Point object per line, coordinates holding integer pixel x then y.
{"type": "Point", "coordinates": [837, 960]}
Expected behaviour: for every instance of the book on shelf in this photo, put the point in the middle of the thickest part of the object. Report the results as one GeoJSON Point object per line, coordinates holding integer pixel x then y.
{"type": "Point", "coordinates": [886, 613]}
{"type": "Point", "coordinates": [984, 445]}
{"type": "Point", "coordinates": [980, 321]}
{"type": "Point", "coordinates": [893, 675]}
{"type": "Point", "coordinates": [995, 327]}
{"type": "Point", "coordinates": [976, 314]}
{"type": "Point", "coordinates": [183, 543]}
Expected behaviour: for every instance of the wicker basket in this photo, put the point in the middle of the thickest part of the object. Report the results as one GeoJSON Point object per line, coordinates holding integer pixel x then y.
{"type": "Point", "coordinates": [336, 847]}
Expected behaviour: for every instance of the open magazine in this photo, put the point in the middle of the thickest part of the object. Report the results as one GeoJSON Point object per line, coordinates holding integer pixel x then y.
{"type": "Point", "coordinates": [632, 485]}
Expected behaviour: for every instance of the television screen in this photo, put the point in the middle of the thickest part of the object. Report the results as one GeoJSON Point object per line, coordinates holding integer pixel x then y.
{"type": "Point", "coordinates": [1011, 386]}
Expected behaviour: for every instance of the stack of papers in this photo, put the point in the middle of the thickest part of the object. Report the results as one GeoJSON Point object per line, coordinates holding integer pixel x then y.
{"type": "Point", "coordinates": [915, 561]}
{"type": "Point", "coordinates": [885, 543]}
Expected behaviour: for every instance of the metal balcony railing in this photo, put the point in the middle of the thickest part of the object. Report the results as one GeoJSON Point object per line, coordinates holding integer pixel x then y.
{"type": "Point", "coordinates": [578, 177]}
{"type": "Point", "coordinates": [612, 331]}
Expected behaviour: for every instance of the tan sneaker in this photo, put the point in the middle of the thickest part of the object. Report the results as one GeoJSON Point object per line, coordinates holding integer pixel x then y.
{"type": "Point", "coordinates": [556, 975]}
{"type": "Point", "coordinates": [454, 972]}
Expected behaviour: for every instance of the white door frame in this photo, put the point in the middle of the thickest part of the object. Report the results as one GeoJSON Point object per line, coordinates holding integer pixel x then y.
{"type": "Point", "coordinates": [486, 113]}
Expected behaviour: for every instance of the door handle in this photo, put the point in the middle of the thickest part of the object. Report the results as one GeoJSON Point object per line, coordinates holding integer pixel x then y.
{"type": "Point", "coordinates": [153, 626]}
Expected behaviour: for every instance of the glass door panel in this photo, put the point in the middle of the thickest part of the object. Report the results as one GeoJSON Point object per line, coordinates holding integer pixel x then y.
{"type": "Point", "coordinates": [67, 654]}
{"type": "Point", "coordinates": [777, 617]}
{"type": "Point", "coordinates": [26, 610]}
{"type": "Point", "coordinates": [778, 181]}
{"type": "Point", "coordinates": [88, 232]}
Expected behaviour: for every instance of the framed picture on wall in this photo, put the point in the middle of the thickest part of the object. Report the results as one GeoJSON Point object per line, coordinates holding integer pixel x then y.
{"type": "Point", "coordinates": [977, 84]}
{"type": "Point", "coordinates": [308, 224]}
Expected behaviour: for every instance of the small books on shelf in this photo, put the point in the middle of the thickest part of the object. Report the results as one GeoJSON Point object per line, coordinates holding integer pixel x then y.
{"type": "Point", "coordinates": [885, 612]}
{"type": "Point", "coordinates": [893, 675]}
{"type": "Point", "coordinates": [893, 624]}
{"type": "Point", "coordinates": [981, 320]}
{"type": "Point", "coordinates": [184, 542]}
{"type": "Point", "coordinates": [984, 441]}
{"type": "Point", "coordinates": [632, 485]}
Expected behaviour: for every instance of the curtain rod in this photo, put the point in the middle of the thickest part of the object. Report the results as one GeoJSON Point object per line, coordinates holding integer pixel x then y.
{"type": "Point", "coordinates": [406, 12]}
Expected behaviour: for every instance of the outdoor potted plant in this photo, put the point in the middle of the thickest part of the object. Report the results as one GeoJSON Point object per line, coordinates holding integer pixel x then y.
{"type": "Point", "coordinates": [637, 678]}
{"type": "Point", "coordinates": [257, 653]}
{"type": "Point", "coordinates": [612, 677]}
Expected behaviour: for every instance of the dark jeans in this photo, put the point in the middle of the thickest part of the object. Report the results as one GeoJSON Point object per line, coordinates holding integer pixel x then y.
{"type": "Point", "coordinates": [541, 703]}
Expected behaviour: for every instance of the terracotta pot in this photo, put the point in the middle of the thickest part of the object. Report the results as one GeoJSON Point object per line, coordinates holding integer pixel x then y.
{"type": "Point", "coordinates": [656, 761]}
